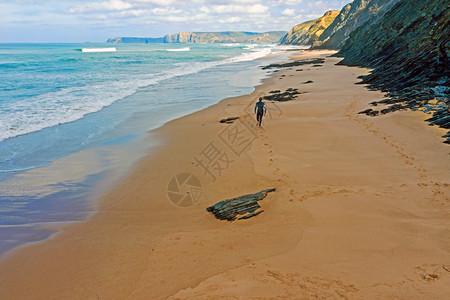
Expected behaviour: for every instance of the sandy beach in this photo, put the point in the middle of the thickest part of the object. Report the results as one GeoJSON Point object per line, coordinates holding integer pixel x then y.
{"type": "Point", "coordinates": [361, 210]}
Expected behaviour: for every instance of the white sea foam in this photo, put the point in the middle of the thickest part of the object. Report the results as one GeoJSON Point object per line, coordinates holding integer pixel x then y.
{"type": "Point", "coordinates": [290, 47]}
{"type": "Point", "coordinates": [71, 104]}
{"type": "Point", "coordinates": [180, 49]}
{"type": "Point", "coordinates": [250, 47]}
{"type": "Point", "coordinates": [231, 45]}
{"type": "Point", "coordinates": [108, 49]}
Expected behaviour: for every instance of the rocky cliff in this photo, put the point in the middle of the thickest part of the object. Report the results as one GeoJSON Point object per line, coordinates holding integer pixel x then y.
{"type": "Point", "coordinates": [408, 49]}
{"type": "Point", "coordinates": [308, 32]}
{"type": "Point", "coordinates": [351, 16]}
{"type": "Point", "coordinates": [135, 40]}
{"type": "Point", "coordinates": [208, 37]}
{"type": "Point", "coordinates": [224, 37]}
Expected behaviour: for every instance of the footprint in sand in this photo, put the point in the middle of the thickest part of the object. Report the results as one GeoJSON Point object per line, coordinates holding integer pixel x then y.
{"type": "Point", "coordinates": [430, 272]}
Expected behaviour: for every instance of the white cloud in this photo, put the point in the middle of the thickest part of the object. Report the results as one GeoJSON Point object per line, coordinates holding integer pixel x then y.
{"type": "Point", "coordinates": [145, 12]}
{"type": "Point", "coordinates": [166, 11]}
{"type": "Point", "coordinates": [30, 1]}
{"type": "Point", "coordinates": [131, 13]}
{"type": "Point", "coordinates": [110, 5]}
{"type": "Point", "coordinates": [155, 2]}
{"type": "Point", "coordinates": [246, 1]}
{"type": "Point", "coordinates": [187, 18]}
{"type": "Point", "coordinates": [205, 9]}
{"type": "Point", "coordinates": [95, 17]}
{"type": "Point", "coordinates": [222, 9]}
{"type": "Point", "coordinates": [318, 5]}
{"type": "Point", "coordinates": [289, 2]}
{"type": "Point", "coordinates": [230, 20]}
{"type": "Point", "coordinates": [288, 12]}
{"type": "Point", "coordinates": [117, 5]}
{"type": "Point", "coordinates": [165, 16]}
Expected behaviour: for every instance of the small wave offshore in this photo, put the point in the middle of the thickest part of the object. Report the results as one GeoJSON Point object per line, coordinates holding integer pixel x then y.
{"type": "Point", "coordinates": [94, 50]}
{"type": "Point", "coordinates": [68, 104]}
{"type": "Point", "coordinates": [179, 50]}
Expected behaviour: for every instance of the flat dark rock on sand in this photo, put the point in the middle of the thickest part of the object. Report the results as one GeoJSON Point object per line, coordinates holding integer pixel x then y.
{"type": "Point", "coordinates": [229, 209]}
{"type": "Point", "coordinates": [228, 120]}
{"type": "Point", "coordinates": [301, 62]}
{"type": "Point", "coordinates": [289, 94]}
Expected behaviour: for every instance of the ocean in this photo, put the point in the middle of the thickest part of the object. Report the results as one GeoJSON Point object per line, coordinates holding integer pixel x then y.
{"type": "Point", "coordinates": [73, 116]}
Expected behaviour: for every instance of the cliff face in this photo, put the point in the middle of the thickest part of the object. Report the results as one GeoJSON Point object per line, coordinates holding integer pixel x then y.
{"type": "Point", "coordinates": [135, 40]}
{"type": "Point", "coordinates": [308, 32]}
{"type": "Point", "coordinates": [408, 48]}
{"type": "Point", "coordinates": [351, 16]}
{"type": "Point", "coordinates": [182, 37]}
{"type": "Point", "coordinates": [208, 37]}
{"type": "Point", "coordinates": [224, 37]}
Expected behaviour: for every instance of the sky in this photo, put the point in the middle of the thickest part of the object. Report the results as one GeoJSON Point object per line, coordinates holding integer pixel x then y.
{"type": "Point", "coordinates": [72, 21]}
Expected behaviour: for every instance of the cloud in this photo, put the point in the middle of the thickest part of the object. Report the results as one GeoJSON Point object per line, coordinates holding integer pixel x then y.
{"type": "Point", "coordinates": [117, 5]}
{"type": "Point", "coordinates": [155, 2]}
{"type": "Point", "coordinates": [223, 9]}
{"type": "Point", "coordinates": [158, 17]}
{"type": "Point", "coordinates": [187, 18]}
{"type": "Point", "coordinates": [288, 2]}
{"type": "Point", "coordinates": [231, 20]}
{"type": "Point", "coordinates": [110, 5]}
{"type": "Point", "coordinates": [30, 1]}
{"type": "Point", "coordinates": [288, 12]}
{"type": "Point", "coordinates": [245, 1]}
{"type": "Point", "coordinates": [166, 11]}
{"type": "Point", "coordinates": [131, 13]}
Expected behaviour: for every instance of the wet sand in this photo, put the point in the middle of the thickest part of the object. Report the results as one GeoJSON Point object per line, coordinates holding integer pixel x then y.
{"type": "Point", "coordinates": [361, 209]}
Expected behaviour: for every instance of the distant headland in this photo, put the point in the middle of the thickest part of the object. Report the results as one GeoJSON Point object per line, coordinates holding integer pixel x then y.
{"type": "Point", "coordinates": [207, 37]}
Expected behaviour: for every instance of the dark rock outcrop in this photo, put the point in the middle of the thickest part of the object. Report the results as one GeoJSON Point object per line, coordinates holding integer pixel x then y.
{"type": "Point", "coordinates": [351, 16]}
{"type": "Point", "coordinates": [370, 112]}
{"type": "Point", "coordinates": [308, 32]}
{"type": "Point", "coordinates": [289, 94]}
{"type": "Point", "coordinates": [244, 205]}
{"type": "Point", "coordinates": [301, 62]}
{"type": "Point", "coordinates": [228, 120]}
{"type": "Point", "coordinates": [408, 50]}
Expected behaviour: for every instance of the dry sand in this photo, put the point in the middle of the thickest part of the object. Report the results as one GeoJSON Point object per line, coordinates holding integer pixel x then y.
{"type": "Point", "coordinates": [361, 209]}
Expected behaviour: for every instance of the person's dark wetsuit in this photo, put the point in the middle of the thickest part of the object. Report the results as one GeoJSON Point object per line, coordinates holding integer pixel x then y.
{"type": "Point", "coordinates": [260, 110]}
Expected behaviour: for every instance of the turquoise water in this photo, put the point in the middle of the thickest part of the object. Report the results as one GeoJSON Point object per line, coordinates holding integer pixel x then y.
{"type": "Point", "coordinates": [44, 86]}
{"type": "Point", "coordinates": [57, 101]}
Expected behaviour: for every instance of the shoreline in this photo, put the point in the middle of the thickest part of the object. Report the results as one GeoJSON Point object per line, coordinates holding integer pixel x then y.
{"type": "Point", "coordinates": [346, 201]}
{"type": "Point", "coordinates": [92, 171]}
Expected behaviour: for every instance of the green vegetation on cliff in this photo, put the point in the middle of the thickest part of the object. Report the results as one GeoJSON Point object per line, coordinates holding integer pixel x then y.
{"type": "Point", "coordinates": [308, 32]}
{"type": "Point", "coordinates": [208, 37]}
{"type": "Point", "coordinates": [224, 37]}
{"type": "Point", "coordinates": [351, 16]}
{"type": "Point", "coordinates": [135, 40]}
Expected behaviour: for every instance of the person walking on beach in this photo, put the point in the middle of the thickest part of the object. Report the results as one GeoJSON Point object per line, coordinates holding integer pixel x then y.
{"type": "Point", "coordinates": [260, 110]}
